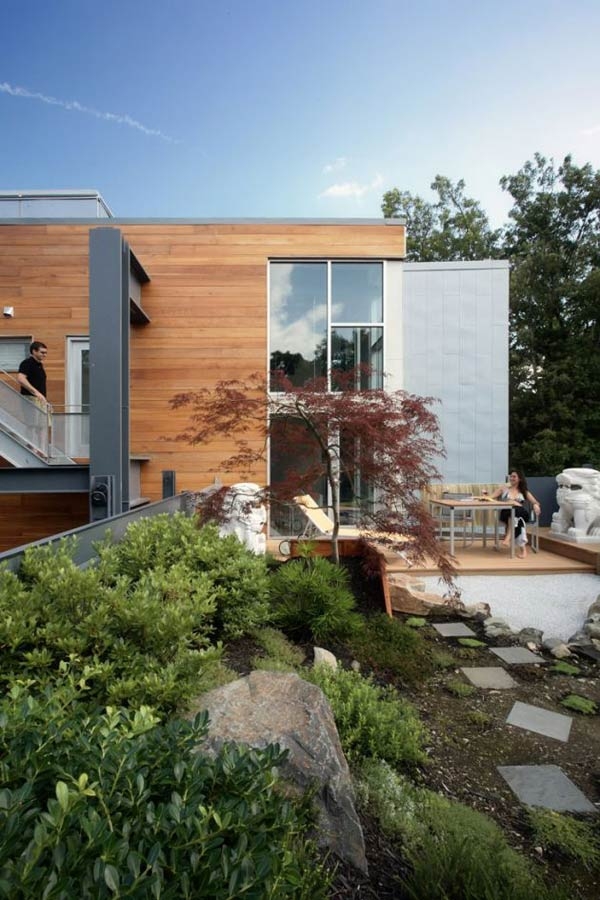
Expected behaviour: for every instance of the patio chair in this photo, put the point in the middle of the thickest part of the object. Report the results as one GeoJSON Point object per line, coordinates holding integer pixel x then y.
{"type": "Point", "coordinates": [317, 520]}
{"type": "Point", "coordinates": [319, 523]}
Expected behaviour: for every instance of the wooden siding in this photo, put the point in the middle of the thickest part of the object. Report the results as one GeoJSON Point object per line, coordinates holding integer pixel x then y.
{"type": "Point", "coordinates": [31, 517]}
{"type": "Point", "coordinates": [207, 301]}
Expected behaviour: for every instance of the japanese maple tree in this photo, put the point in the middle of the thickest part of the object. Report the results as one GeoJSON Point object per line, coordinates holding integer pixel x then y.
{"type": "Point", "coordinates": [386, 441]}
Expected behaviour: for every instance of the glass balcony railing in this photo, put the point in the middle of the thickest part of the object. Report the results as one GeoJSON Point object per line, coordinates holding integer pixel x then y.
{"type": "Point", "coordinates": [51, 433]}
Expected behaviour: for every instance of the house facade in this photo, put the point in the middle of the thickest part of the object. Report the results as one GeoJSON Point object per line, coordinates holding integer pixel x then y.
{"type": "Point", "coordinates": [135, 311]}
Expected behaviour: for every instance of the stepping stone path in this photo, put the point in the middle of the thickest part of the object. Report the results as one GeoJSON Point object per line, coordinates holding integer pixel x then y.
{"type": "Point", "coordinates": [545, 786]}
{"type": "Point", "coordinates": [494, 678]}
{"type": "Point", "coordinates": [542, 721]}
{"type": "Point", "coordinates": [517, 656]}
{"type": "Point", "coordinates": [454, 629]}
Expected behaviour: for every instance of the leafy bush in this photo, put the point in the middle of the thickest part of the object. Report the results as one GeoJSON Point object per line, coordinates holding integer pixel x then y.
{"type": "Point", "coordinates": [239, 578]}
{"type": "Point", "coordinates": [310, 598]}
{"type": "Point", "coordinates": [455, 853]}
{"type": "Point", "coordinates": [372, 721]}
{"type": "Point", "coordinates": [391, 645]}
{"type": "Point", "coordinates": [281, 654]}
{"type": "Point", "coordinates": [562, 667]}
{"type": "Point", "coordinates": [147, 641]}
{"type": "Point", "coordinates": [99, 805]}
{"type": "Point", "coordinates": [570, 837]}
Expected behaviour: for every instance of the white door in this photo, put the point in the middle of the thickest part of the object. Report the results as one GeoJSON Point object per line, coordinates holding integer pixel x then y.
{"type": "Point", "coordinates": [77, 412]}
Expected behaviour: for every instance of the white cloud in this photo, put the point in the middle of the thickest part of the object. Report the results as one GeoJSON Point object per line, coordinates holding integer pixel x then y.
{"type": "Point", "coordinates": [335, 166]}
{"type": "Point", "coordinates": [588, 132]}
{"type": "Point", "coordinates": [352, 188]}
{"type": "Point", "coordinates": [75, 106]}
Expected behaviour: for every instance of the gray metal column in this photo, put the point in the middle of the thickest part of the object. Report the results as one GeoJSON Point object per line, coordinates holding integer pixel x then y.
{"type": "Point", "coordinates": [109, 361]}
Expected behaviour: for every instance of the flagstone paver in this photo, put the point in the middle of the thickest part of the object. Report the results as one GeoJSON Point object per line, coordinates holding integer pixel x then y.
{"type": "Point", "coordinates": [541, 721]}
{"type": "Point", "coordinates": [546, 786]}
{"type": "Point", "coordinates": [454, 629]}
{"type": "Point", "coordinates": [517, 656]}
{"type": "Point", "coordinates": [492, 677]}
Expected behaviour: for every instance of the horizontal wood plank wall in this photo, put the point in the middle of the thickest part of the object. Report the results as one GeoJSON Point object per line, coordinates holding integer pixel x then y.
{"type": "Point", "coordinates": [207, 301]}
{"type": "Point", "coordinates": [31, 517]}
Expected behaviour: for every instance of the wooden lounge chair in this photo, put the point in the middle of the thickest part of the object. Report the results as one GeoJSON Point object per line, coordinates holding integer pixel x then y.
{"type": "Point", "coordinates": [319, 523]}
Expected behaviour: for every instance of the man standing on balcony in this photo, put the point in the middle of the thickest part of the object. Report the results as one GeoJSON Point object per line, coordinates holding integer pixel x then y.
{"type": "Point", "coordinates": [32, 375]}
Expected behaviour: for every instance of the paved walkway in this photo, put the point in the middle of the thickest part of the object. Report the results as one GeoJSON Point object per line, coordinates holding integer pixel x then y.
{"type": "Point", "coordinates": [545, 786]}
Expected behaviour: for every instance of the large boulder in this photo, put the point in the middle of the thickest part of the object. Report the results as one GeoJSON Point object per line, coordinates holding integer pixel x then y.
{"type": "Point", "coordinates": [407, 598]}
{"type": "Point", "coordinates": [281, 708]}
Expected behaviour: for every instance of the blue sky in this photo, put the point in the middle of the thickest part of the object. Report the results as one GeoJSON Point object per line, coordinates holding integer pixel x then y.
{"type": "Point", "coordinates": [272, 108]}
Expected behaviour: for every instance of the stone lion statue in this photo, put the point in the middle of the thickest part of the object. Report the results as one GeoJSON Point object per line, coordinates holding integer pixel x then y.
{"type": "Point", "coordinates": [578, 498]}
{"type": "Point", "coordinates": [245, 515]}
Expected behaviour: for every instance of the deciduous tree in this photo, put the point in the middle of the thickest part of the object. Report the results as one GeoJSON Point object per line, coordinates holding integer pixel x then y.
{"type": "Point", "coordinates": [454, 227]}
{"type": "Point", "coordinates": [390, 439]}
{"type": "Point", "coordinates": [553, 243]}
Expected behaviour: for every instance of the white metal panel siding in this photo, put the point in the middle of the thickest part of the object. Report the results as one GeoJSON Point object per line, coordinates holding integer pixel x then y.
{"type": "Point", "coordinates": [456, 349]}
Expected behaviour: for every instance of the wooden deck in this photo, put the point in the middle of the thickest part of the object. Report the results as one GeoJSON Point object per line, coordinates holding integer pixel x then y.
{"type": "Point", "coordinates": [554, 557]}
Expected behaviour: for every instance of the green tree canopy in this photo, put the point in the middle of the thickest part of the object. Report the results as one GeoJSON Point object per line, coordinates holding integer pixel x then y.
{"type": "Point", "coordinates": [553, 243]}
{"type": "Point", "coordinates": [453, 227]}
{"type": "Point", "coordinates": [552, 240]}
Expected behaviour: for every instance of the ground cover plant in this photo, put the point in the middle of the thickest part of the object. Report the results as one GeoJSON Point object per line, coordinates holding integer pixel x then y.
{"type": "Point", "coordinates": [115, 803]}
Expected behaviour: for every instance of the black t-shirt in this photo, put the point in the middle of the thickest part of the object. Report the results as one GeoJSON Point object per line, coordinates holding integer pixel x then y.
{"type": "Point", "coordinates": [35, 374]}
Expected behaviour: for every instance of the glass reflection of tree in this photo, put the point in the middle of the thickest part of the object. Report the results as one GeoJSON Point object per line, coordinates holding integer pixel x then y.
{"type": "Point", "coordinates": [298, 369]}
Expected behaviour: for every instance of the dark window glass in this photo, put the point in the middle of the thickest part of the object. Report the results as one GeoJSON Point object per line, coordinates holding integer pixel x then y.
{"type": "Point", "coordinates": [351, 347]}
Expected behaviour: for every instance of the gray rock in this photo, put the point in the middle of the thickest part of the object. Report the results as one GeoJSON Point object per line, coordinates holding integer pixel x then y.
{"type": "Point", "coordinates": [530, 635]}
{"type": "Point", "coordinates": [497, 621]}
{"type": "Point", "coordinates": [274, 707]}
{"type": "Point", "coordinates": [551, 642]}
{"type": "Point", "coordinates": [324, 658]}
{"type": "Point", "coordinates": [592, 618]}
{"type": "Point", "coordinates": [497, 628]}
{"type": "Point", "coordinates": [592, 629]}
{"type": "Point", "coordinates": [561, 651]}
{"type": "Point", "coordinates": [355, 665]}
{"type": "Point", "coordinates": [580, 638]}
{"type": "Point", "coordinates": [479, 612]}
{"type": "Point", "coordinates": [595, 606]}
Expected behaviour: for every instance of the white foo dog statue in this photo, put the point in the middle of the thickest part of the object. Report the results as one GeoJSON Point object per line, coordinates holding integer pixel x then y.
{"type": "Point", "coordinates": [578, 497]}
{"type": "Point", "coordinates": [245, 516]}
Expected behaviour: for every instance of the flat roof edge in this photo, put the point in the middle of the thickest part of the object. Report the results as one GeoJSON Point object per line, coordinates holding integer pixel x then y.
{"type": "Point", "coordinates": [457, 264]}
{"type": "Point", "coordinates": [177, 221]}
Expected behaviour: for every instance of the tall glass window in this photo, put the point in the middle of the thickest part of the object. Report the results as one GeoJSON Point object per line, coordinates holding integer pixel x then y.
{"type": "Point", "coordinates": [298, 320]}
{"type": "Point", "coordinates": [326, 316]}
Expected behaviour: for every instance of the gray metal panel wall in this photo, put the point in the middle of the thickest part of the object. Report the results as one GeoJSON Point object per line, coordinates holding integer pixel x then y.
{"type": "Point", "coordinates": [456, 349]}
{"type": "Point", "coordinates": [109, 374]}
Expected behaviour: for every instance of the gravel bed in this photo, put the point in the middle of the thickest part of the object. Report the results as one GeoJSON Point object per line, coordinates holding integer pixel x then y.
{"type": "Point", "coordinates": [556, 604]}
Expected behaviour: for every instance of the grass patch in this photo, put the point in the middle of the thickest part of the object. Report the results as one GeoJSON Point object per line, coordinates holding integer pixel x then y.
{"type": "Point", "coordinates": [572, 838]}
{"type": "Point", "coordinates": [415, 622]}
{"type": "Point", "coordinates": [389, 644]}
{"type": "Point", "coordinates": [459, 688]}
{"type": "Point", "coordinates": [580, 704]}
{"type": "Point", "coordinates": [481, 720]}
{"type": "Point", "coordinates": [441, 659]}
{"type": "Point", "coordinates": [281, 654]}
{"type": "Point", "coordinates": [561, 667]}
{"type": "Point", "coordinates": [471, 642]}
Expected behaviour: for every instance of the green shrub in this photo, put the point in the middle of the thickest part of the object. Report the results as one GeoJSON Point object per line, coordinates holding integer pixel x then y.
{"type": "Point", "coordinates": [580, 704]}
{"type": "Point", "coordinates": [455, 853]}
{"type": "Point", "coordinates": [239, 579]}
{"type": "Point", "coordinates": [281, 654]}
{"type": "Point", "coordinates": [147, 641]}
{"type": "Point", "coordinates": [372, 721]}
{"type": "Point", "coordinates": [416, 622]}
{"type": "Point", "coordinates": [310, 599]}
{"type": "Point", "coordinates": [390, 645]}
{"type": "Point", "coordinates": [116, 804]}
{"type": "Point", "coordinates": [573, 838]}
